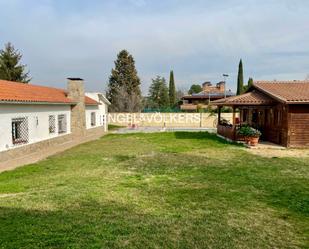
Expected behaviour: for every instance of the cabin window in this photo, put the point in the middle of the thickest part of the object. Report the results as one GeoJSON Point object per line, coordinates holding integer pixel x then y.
{"type": "Point", "coordinates": [52, 124]}
{"type": "Point", "coordinates": [93, 119]}
{"type": "Point", "coordinates": [244, 115]}
{"type": "Point", "coordinates": [20, 130]}
{"type": "Point", "coordinates": [279, 117]}
{"type": "Point", "coordinates": [254, 116]}
{"type": "Point", "coordinates": [271, 117]}
{"type": "Point", "coordinates": [62, 124]}
{"type": "Point", "coordinates": [266, 117]}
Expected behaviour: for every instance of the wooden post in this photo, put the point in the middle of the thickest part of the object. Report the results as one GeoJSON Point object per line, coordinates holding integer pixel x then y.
{"type": "Point", "coordinates": [234, 127]}
{"type": "Point", "coordinates": [250, 116]}
{"type": "Point", "coordinates": [233, 116]}
{"type": "Point", "coordinates": [219, 114]}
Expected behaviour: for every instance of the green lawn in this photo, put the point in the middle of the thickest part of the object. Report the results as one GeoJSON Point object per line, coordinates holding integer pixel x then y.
{"type": "Point", "coordinates": [164, 190]}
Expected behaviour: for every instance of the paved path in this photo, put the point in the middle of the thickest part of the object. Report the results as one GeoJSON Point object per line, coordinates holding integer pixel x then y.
{"type": "Point", "coordinates": [44, 153]}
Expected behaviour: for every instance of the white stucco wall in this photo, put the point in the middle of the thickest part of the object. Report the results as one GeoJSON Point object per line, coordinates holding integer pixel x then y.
{"type": "Point", "coordinates": [38, 122]}
{"type": "Point", "coordinates": [100, 110]}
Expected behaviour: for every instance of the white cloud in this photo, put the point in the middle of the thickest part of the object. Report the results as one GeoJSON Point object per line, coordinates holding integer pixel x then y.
{"type": "Point", "coordinates": [199, 40]}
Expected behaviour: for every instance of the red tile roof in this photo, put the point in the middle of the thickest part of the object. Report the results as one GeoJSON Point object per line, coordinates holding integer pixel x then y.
{"type": "Point", "coordinates": [19, 92]}
{"type": "Point", "coordinates": [285, 91]}
{"type": "Point", "coordinates": [267, 92]}
{"type": "Point", "coordinates": [250, 98]}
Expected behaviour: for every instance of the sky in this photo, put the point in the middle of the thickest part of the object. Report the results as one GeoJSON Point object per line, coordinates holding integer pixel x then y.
{"type": "Point", "coordinates": [198, 39]}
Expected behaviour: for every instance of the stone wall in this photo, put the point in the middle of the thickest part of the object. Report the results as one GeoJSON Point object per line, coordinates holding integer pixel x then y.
{"type": "Point", "coordinates": [38, 151]}
{"type": "Point", "coordinates": [188, 120]}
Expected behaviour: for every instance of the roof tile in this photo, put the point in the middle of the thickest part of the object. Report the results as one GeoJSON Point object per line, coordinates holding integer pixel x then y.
{"type": "Point", "coordinates": [250, 98]}
{"type": "Point", "coordinates": [286, 91]}
{"type": "Point", "coordinates": [19, 92]}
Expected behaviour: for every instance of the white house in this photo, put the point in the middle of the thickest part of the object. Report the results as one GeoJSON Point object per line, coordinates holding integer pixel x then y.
{"type": "Point", "coordinates": [96, 115]}
{"type": "Point", "coordinates": [31, 113]}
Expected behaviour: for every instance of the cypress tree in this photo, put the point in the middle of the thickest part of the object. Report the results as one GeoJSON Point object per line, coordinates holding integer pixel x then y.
{"type": "Point", "coordinates": [172, 90]}
{"type": "Point", "coordinates": [10, 66]}
{"type": "Point", "coordinates": [240, 79]}
{"type": "Point", "coordinates": [250, 82]}
{"type": "Point", "coordinates": [124, 81]}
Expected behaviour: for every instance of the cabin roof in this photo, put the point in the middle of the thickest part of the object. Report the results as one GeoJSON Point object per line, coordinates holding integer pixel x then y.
{"type": "Point", "coordinates": [289, 92]}
{"type": "Point", "coordinates": [268, 92]}
{"type": "Point", "coordinates": [251, 98]}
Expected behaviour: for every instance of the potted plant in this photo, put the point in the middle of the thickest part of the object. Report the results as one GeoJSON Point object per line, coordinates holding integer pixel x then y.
{"type": "Point", "coordinates": [250, 135]}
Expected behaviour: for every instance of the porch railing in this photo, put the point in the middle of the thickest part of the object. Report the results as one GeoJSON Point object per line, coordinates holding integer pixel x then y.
{"type": "Point", "coordinates": [227, 131]}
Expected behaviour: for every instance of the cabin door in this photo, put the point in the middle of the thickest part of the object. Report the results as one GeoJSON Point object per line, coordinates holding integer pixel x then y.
{"type": "Point", "coordinates": [259, 121]}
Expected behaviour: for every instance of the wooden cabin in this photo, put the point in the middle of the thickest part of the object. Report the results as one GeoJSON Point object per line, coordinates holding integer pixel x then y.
{"type": "Point", "coordinates": [279, 109]}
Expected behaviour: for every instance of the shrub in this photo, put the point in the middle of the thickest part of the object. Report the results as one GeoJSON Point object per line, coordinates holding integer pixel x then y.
{"type": "Point", "coordinates": [248, 131]}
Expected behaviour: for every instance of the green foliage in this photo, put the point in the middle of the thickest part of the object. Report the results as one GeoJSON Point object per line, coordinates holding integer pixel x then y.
{"type": "Point", "coordinates": [10, 67]}
{"type": "Point", "coordinates": [124, 85]}
{"type": "Point", "coordinates": [240, 79]}
{"type": "Point", "coordinates": [247, 87]}
{"type": "Point", "coordinates": [172, 90]}
{"type": "Point", "coordinates": [195, 89]}
{"type": "Point", "coordinates": [158, 94]}
{"type": "Point", "coordinates": [248, 131]}
{"type": "Point", "coordinates": [158, 190]}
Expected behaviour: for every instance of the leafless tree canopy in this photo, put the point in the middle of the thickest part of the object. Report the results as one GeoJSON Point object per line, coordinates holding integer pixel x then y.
{"type": "Point", "coordinates": [125, 102]}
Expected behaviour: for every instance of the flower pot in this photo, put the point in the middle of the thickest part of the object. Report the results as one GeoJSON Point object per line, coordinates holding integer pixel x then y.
{"type": "Point", "coordinates": [253, 141]}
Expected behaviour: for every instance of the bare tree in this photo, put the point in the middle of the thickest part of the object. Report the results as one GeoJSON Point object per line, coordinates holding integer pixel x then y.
{"type": "Point", "coordinates": [125, 102]}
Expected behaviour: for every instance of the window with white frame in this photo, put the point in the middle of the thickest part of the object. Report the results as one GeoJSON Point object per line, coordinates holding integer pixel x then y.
{"type": "Point", "coordinates": [103, 120]}
{"type": "Point", "coordinates": [52, 124]}
{"type": "Point", "coordinates": [20, 131]}
{"type": "Point", "coordinates": [62, 124]}
{"type": "Point", "coordinates": [93, 121]}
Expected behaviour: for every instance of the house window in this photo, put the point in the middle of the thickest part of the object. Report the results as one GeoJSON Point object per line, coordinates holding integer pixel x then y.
{"type": "Point", "coordinates": [20, 130]}
{"type": "Point", "coordinates": [93, 119]}
{"type": "Point", "coordinates": [52, 124]}
{"type": "Point", "coordinates": [62, 124]}
{"type": "Point", "coordinates": [103, 120]}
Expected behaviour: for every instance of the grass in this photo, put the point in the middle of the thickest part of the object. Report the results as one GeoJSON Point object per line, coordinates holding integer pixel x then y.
{"type": "Point", "coordinates": [164, 190]}
{"type": "Point", "coordinates": [112, 127]}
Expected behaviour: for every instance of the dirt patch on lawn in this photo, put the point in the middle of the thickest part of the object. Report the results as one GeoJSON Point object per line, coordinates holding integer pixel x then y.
{"type": "Point", "coordinates": [267, 152]}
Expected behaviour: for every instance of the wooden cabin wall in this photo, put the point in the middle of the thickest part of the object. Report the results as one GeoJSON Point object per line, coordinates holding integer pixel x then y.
{"type": "Point", "coordinates": [272, 121]}
{"type": "Point", "coordinates": [276, 124]}
{"type": "Point", "coordinates": [298, 120]}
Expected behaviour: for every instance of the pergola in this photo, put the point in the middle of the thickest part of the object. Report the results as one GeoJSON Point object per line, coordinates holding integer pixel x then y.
{"type": "Point", "coordinates": [251, 108]}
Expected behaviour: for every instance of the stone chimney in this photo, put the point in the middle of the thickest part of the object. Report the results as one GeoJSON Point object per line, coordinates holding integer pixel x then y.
{"type": "Point", "coordinates": [76, 93]}
{"type": "Point", "coordinates": [206, 86]}
{"type": "Point", "coordinates": [221, 86]}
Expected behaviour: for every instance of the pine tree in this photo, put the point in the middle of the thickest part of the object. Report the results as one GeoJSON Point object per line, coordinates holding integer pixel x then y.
{"type": "Point", "coordinates": [10, 67]}
{"type": "Point", "coordinates": [240, 79]}
{"type": "Point", "coordinates": [124, 81]}
{"type": "Point", "coordinates": [172, 90]}
{"type": "Point", "coordinates": [158, 93]}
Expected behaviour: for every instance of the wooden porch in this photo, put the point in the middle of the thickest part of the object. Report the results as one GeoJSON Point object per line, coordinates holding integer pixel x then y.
{"type": "Point", "coordinates": [257, 111]}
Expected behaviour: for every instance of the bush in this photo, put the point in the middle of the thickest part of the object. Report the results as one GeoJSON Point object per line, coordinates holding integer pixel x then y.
{"type": "Point", "coordinates": [247, 131]}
